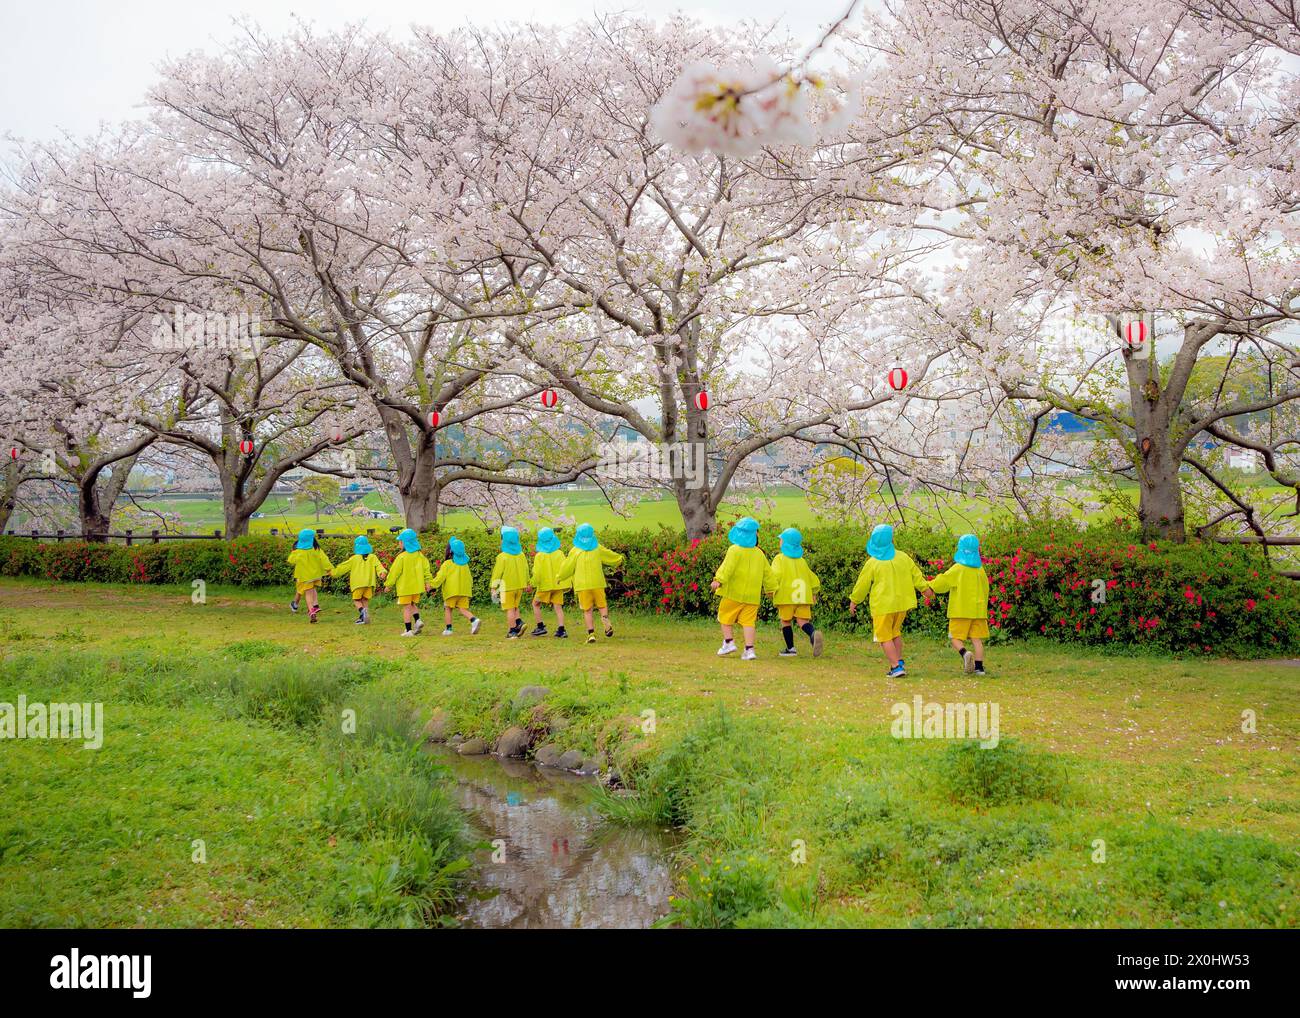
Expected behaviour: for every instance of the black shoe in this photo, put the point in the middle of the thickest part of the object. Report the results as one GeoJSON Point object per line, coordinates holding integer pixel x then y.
{"type": "Point", "coordinates": [561, 634]}
{"type": "Point", "coordinates": [609, 630]}
{"type": "Point", "coordinates": [980, 671]}
{"type": "Point", "coordinates": [539, 629]}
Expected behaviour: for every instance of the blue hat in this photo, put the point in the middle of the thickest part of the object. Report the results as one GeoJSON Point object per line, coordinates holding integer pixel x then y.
{"type": "Point", "coordinates": [510, 541]}
{"type": "Point", "coordinates": [362, 545]}
{"type": "Point", "coordinates": [791, 543]}
{"type": "Point", "coordinates": [547, 541]}
{"type": "Point", "coordinates": [968, 551]}
{"type": "Point", "coordinates": [744, 532]}
{"type": "Point", "coordinates": [410, 540]}
{"type": "Point", "coordinates": [881, 545]}
{"type": "Point", "coordinates": [306, 538]}
{"type": "Point", "coordinates": [585, 538]}
{"type": "Point", "coordinates": [458, 554]}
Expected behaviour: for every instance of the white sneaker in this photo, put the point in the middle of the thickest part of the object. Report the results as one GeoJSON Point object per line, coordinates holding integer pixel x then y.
{"type": "Point", "coordinates": [749, 654]}
{"type": "Point", "coordinates": [419, 624]}
{"type": "Point", "coordinates": [727, 648]}
{"type": "Point", "coordinates": [407, 632]}
{"type": "Point", "coordinates": [473, 627]}
{"type": "Point", "coordinates": [447, 631]}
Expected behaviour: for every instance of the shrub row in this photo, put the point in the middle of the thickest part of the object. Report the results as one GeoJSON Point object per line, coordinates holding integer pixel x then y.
{"type": "Point", "coordinates": [1100, 586]}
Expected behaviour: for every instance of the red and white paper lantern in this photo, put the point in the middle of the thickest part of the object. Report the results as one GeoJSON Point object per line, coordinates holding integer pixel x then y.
{"type": "Point", "coordinates": [1135, 332]}
{"type": "Point", "coordinates": [14, 453]}
{"type": "Point", "coordinates": [702, 400]}
{"type": "Point", "coordinates": [246, 446]}
{"type": "Point", "coordinates": [549, 398]}
{"type": "Point", "coordinates": [897, 379]}
{"type": "Point", "coordinates": [336, 433]}
{"type": "Point", "coordinates": [434, 418]}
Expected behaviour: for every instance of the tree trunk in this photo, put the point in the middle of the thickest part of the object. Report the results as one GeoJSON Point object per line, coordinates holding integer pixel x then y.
{"type": "Point", "coordinates": [9, 486]}
{"type": "Point", "coordinates": [236, 508]}
{"type": "Point", "coordinates": [697, 514]}
{"type": "Point", "coordinates": [94, 521]}
{"type": "Point", "coordinates": [1160, 502]}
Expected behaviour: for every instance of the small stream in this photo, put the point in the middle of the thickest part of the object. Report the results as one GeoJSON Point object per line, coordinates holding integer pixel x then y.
{"type": "Point", "coordinates": [562, 868]}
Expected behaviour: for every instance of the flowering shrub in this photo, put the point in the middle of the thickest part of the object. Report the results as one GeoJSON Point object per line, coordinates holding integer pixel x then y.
{"type": "Point", "coordinates": [1098, 587]}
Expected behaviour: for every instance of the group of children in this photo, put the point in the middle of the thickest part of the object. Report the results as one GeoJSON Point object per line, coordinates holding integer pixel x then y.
{"type": "Point", "coordinates": [888, 582]}
{"type": "Point", "coordinates": [552, 575]}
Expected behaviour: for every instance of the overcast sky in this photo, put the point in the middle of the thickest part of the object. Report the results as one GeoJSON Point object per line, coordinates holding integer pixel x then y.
{"type": "Point", "coordinates": [69, 65]}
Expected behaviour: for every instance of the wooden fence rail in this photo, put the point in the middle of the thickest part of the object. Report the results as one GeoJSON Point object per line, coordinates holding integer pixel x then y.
{"type": "Point", "coordinates": [156, 536]}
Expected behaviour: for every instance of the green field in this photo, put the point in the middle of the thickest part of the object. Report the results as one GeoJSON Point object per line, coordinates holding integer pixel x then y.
{"type": "Point", "coordinates": [1141, 758]}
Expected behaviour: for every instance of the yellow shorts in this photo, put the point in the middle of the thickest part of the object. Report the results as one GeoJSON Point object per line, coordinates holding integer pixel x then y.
{"type": "Point", "coordinates": [510, 599]}
{"type": "Point", "coordinates": [306, 586]}
{"type": "Point", "coordinates": [592, 598]}
{"type": "Point", "coordinates": [458, 601]}
{"type": "Point", "coordinates": [973, 629]}
{"type": "Point", "coordinates": [549, 597]}
{"type": "Point", "coordinates": [363, 593]}
{"type": "Point", "coordinates": [794, 611]}
{"type": "Point", "coordinates": [888, 626]}
{"type": "Point", "coordinates": [408, 599]}
{"type": "Point", "coordinates": [731, 613]}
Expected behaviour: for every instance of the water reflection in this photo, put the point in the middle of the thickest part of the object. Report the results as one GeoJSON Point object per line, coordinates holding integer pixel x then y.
{"type": "Point", "coordinates": [562, 868]}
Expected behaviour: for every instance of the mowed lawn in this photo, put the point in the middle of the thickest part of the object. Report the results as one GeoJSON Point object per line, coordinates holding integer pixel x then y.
{"type": "Point", "coordinates": [1155, 761]}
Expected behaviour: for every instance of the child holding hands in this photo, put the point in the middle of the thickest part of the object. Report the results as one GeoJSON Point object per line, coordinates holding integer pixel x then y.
{"type": "Point", "coordinates": [891, 579]}
{"type": "Point", "coordinates": [968, 602]}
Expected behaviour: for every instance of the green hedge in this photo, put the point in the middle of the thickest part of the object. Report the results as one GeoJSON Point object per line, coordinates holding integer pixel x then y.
{"type": "Point", "coordinates": [1195, 598]}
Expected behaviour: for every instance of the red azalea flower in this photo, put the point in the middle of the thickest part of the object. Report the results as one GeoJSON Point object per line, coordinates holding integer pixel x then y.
{"type": "Point", "coordinates": [1250, 604]}
{"type": "Point", "coordinates": [1110, 631]}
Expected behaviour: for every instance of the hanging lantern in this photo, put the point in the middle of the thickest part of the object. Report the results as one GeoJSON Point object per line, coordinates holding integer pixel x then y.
{"type": "Point", "coordinates": [549, 398]}
{"type": "Point", "coordinates": [14, 453]}
{"type": "Point", "coordinates": [246, 446]}
{"type": "Point", "coordinates": [1135, 333]}
{"type": "Point", "coordinates": [336, 433]}
{"type": "Point", "coordinates": [702, 400]}
{"type": "Point", "coordinates": [897, 379]}
{"type": "Point", "coordinates": [434, 418]}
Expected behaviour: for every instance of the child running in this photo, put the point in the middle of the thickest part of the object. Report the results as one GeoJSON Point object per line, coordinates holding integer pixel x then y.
{"type": "Point", "coordinates": [585, 568]}
{"type": "Point", "coordinates": [310, 566]}
{"type": "Point", "coordinates": [412, 576]}
{"type": "Point", "coordinates": [891, 579]}
{"type": "Point", "coordinates": [457, 583]}
{"type": "Point", "coordinates": [547, 588]}
{"type": "Point", "coordinates": [510, 579]}
{"type": "Point", "coordinates": [793, 587]}
{"type": "Point", "coordinates": [741, 579]}
{"type": "Point", "coordinates": [364, 571]}
{"type": "Point", "coordinates": [968, 604]}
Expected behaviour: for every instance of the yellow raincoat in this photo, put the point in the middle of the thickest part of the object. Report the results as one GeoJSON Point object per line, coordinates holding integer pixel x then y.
{"type": "Point", "coordinates": [791, 581]}
{"type": "Point", "coordinates": [744, 575]}
{"type": "Point", "coordinates": [547, 566]}
{"type": "Point", "coordinates": [970, 591]}
{"type": "Point", "coordinates": [410, 574]}
{"type": "Point", "coordinates": [586, 568]}
{"type": "Point", "coordinates": [309, 564]}
{"type": "Point", "coordinates": [513, 569]}
{"type": "Point", "coordinates": [363, 571]}
{"type": "Point", "coordinates": [455, 581]}
{"type": "Point", "coordinates": [892, 585]}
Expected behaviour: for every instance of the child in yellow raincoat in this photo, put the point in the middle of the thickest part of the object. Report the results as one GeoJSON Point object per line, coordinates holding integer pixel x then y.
{"type": "Point", "coordinates": [310, 566]}
{"type": "Point", "coordinates": [457, 583]}
{"type": "Point", "coordinates": [891, 579]}
{"type": "Point", "coordinates": [547, 588]}
{"type": "Point", "coordinates": [968, 603]}
{"type": "Point", "coordinates": [364, 572]}
{"type": "Point", "coordinates": [585, 568]}
{"type": "Point", "coordinates": [411, 576]}
{"type": "Point", "coordinates": [510, 580]}
{"type": "Point", "coordinates": [741, 579]}
{"type": "Point", "coordinates": [793, 587]}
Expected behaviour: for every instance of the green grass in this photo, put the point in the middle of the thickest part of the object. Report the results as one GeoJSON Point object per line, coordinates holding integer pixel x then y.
{"type": "Point", "coordinates": [1139, 761]}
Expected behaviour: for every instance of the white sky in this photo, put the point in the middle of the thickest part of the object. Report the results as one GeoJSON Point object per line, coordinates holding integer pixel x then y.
{"type": "Point", "coordinates": [69, 65]}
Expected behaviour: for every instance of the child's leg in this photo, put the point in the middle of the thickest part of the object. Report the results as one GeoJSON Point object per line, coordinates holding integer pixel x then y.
{"type": "Point", "coordinates": [749, 637]}
{"type": "Point", "coordinates": [586, 614]}
{"type": "Point", "coordinates": [728, 634]}
{"type": "Point", "coordinates": [559, 616]}
{"type": "Point", "coordinates": [537, 611]}
{"type": "Point", "coordinates": [978, 644]}
{"type": "Point", "coordinates": [446, 615]}
{"type": "Point", "coordinates": [311, 599]}
{"type": "Point", "coordinates": [890, 651]}
{"type": "Point", "coordinates": [464, 611]}
{"type": "Point", "coordinates": [408, 613]}
{"type": "Point", "coordinates": [604, 617]}
{"type": "Point", "coordinates": [787, 633]}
